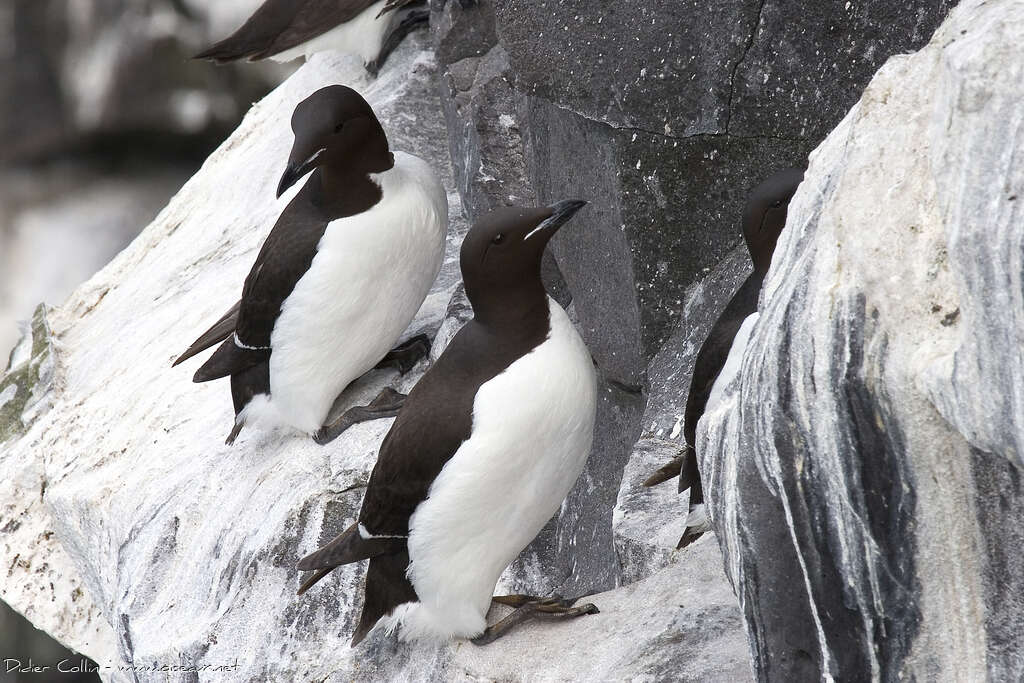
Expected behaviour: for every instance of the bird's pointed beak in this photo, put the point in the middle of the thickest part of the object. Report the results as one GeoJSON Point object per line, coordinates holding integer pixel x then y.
{"type": "Point", "coordinates": [297, 169]}
{"type": "Point", "coordinates": [560, 215]}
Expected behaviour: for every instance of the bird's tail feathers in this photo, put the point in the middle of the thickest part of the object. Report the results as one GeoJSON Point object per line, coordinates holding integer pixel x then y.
{"type": "Point", "coordinates": [347, 547]}
{"type": "Point", "coordinates": [218, 332]}
{"type": "Point", "coordinates": [392, 5]}
{"type": "Point", "coordinates": [387, 596]}
{"type": "Point", "coordinates": [230, 359]}
{"type": "Point", "coordinates": [697, 524]}
{"type": "Point", "coordinates": [665, 472]}
{"type": "Point", "coordinates": [689, 475]}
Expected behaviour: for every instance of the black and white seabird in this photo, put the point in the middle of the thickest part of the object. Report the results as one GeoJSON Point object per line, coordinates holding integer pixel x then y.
{"type": "Point", "coordinates": [487, 446]}
{"type": "Point", "coordinates": [764, 217]}
{"type": "Point", "coordinates": [284, 30]}
{"type": "Point", "coordinates": [338, 279]}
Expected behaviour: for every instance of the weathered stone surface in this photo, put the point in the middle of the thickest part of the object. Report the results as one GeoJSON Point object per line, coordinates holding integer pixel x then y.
{"type": "Point", "coordinates": [61, 224]}
{"type": "Point", "coordinates": [807, 64]}
{"type": "Point", "coordinates": [40, 575]}
{"type": "Point", "coordinates": [185, 549]}
{"type": "Point", "coordinates": [631, 107]}
{"type": "Point", "coordinates": [864, 464]}
{"type": "Point", "coordinates": [173, 549]}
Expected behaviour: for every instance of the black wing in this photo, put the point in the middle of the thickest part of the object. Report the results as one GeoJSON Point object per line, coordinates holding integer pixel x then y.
{"type": "Point", "coordinates": [220, 331]}
{"type": "Point", "coordinates": [433, 423]}
{"type": "Point", "coordinates": [435, 419]}
{"type": "Point", "coordinates": [708, 365]}
{"type": "Point", "coordinates": [283, 260]}
{"type": "Point", "coordinates": [279, 25]}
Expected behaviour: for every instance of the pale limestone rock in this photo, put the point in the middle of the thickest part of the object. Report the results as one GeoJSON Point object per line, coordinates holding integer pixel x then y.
{"type": "Point", "coordinates": [864, 465]}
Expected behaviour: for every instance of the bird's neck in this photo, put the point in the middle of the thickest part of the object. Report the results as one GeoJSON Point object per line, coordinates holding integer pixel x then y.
{"type": "Point", "coordinates": [344, 191]}
{"type": "Point", "coordinates": [522, 311]}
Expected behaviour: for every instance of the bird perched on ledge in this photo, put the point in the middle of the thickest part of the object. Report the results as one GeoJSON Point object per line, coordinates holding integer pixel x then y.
{"type": "Point", "coordinates": [284, 30]}
{"type": "Point", "coordinates": [338, 279]}
{"type": "Point", "coordinates": [764, 217]}
{"type": "Point", "coordinates": [485, 449]}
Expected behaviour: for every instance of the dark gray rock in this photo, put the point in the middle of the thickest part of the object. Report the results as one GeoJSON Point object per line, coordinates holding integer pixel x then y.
{"type": "Point", "coordinates": [806, 64]}
{"type": "Point", "coordinates": [863, 525]}
{"type": "Point", "coordinates": [631, 107]}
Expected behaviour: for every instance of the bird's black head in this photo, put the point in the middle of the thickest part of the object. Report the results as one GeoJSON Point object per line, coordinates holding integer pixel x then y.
{"type": "Point", "coordinates": [335, 127]}
{"type": "Point", "coordinates": [501, 256]}
{"type": "Point", "coordinates": [764, 216]}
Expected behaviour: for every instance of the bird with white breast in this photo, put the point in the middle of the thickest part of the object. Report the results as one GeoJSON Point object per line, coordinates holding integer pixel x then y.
{"type": "Point", "coordinates": [482, 454]}
{"type": "Point", "coordinates": [339, 278]}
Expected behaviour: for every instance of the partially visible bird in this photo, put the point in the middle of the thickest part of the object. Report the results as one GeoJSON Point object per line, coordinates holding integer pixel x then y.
{"type": "Point", "coordinates": [338, 279]}
{"type": "Point", "coordinates": [764, 217]}
{"type": "Point", "coordinates": [485, 449]}
{"type": "Point", "coordinates": [284, 30]}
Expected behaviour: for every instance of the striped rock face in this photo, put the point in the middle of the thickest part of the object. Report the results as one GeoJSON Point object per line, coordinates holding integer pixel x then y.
{"type": "Point", "coordinates": [864, 464]}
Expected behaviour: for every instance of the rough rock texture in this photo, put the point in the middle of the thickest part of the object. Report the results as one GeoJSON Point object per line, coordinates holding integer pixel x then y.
{"type": "Point", "coordinates": [102, 118]}
{"type": "Point", "coordinates": [663, 115]}
{"type": "Point", "coordinates": [60, 225]}
{"type": "Point", "coordinates": [865, 463]}
{"type": "Point", "coordinates": [138, 538]}
{"type": "Point", "coordinates": [182, 550]}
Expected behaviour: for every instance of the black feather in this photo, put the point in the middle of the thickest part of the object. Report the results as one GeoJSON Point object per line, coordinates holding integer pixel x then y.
{"type": "Point", "coordinates": [218, 332]}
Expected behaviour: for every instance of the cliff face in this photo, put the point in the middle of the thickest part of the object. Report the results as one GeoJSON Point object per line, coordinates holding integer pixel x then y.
{"type": "Point", "coordinates": [136, 537]}
{"type": "Point", "coordinates": [663, 115]}
{"type": "Point", "coordinates": [865, 462]}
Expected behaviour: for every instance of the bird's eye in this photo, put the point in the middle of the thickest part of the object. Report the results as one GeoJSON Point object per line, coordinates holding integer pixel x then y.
{"type": "Point", "coordinates": [337, 128]}
{"type": "Point", "coordinates": [498, 239]}
{"type": "Point", "coordinates": [777, 203]}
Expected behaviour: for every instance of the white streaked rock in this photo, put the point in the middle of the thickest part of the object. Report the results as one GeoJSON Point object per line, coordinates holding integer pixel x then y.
{"type": "Point", "coordinates": [864, 465]}
{"type": "Point", "coordinates": [167, 547]}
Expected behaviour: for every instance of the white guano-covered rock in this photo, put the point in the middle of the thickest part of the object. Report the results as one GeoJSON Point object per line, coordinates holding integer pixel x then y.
{"type": "Point", "coordinates": [864, 467]}
{"type": "Point", "coordinates": [145, 542]}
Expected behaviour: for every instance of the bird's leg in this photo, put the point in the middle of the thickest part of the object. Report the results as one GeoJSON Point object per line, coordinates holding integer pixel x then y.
{"type": "Point", "coordinates": [387, 404]}
{"type": "Point", "coordinates": [515, 600]}
{"type": "Point", "coordinates": [409, 23]}
{"type": "Point", "coordinates": [530, 607]}
{"type": "Point", "coordinates": [405, 357]}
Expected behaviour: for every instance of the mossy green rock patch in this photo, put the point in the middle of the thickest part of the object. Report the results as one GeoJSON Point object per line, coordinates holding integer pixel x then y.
{"type": "Point", "coordinates": [27, 379]}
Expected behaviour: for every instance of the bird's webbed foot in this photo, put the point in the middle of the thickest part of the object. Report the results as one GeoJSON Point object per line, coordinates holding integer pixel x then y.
{"type": "Point", "coordinates": [387, 404]}
{"type": "Point", "coordinates": [530, 607]}
{"type": "Point", "coordinates": [405, 356]}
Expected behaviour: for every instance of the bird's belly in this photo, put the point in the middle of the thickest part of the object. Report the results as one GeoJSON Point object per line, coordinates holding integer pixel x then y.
{"type": "Point", "coordinates": [348, 310]}
{"type": "Point", "coordinates": [362, 35]}
{"type": "Point", "coordinates": [532, 431]}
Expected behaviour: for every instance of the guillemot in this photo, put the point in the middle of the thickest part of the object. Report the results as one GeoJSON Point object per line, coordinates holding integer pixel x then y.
{"type": "Point", "coordinates": [339, 278]}
{"type": "Point", "coordinates": [284, 30]}
{"type": "Point", "coordinates": [764, 217]}
{"type": "Point", "coordinates": [487, 446]}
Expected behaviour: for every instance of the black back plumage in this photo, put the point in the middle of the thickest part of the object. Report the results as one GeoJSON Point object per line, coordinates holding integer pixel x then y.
{"type": "Point", "coordinates": [338, 137]}
{"type": "Point", "coordinates": [284, 258]}
{"type": "Point", "coordinates": [511, 317]}
{"type": "Point", "coordinates": [279, 25]}
{"type": "Point", "coordinates": [764, 217]}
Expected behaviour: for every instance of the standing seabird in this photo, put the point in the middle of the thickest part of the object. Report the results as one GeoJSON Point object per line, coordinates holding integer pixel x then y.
{"type": "Point", "coordinates": [485, 449]}
{"type": "Point", "coordinates": [284, 30]}
{"type": "Point", "coordinates": [338, 279]}
{"type": "Point", "coordinates": [764, 217]}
